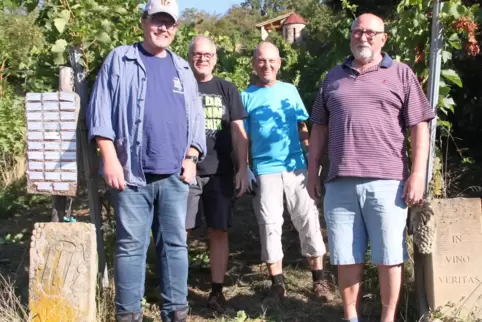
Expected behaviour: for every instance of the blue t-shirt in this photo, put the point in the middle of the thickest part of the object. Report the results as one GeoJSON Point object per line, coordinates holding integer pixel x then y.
{"type": "Point", "coordinates": [165, 120]}
{"type": "Point", "coordinates": [272, 125]}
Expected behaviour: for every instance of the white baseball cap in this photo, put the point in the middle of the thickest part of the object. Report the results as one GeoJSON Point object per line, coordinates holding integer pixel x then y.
{"type": "Point", "coordinates": [166, 6]}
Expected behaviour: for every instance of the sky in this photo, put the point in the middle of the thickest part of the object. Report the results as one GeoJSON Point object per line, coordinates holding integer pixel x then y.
{"type": "Point", "coordinates": [211, 6]}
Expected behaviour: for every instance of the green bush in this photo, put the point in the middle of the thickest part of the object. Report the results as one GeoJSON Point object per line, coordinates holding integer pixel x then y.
{"type": "Point", "coordinates": [12, 125]}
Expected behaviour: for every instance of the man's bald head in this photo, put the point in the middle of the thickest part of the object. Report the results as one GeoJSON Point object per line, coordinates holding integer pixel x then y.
{"type": "Point", "coordinates": [265, 46]}
{"type": "Point", "coordinates": [369, 19]}
{"type": "Point", "coordinates": [367, 39]}
{"type": "Point", "coordinates": [266, 63]}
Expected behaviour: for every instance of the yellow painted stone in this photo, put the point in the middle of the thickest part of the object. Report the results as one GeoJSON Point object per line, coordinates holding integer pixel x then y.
{"type": "Point", "coordinates": [63, 266]}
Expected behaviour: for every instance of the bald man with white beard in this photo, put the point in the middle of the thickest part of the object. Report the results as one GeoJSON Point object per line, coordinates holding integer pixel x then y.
{"type": "Point", "coordinates": [360, 116]}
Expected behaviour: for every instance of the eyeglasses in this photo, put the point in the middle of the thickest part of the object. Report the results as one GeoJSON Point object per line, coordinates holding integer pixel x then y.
{"type": "Point", "coordinates": [263, 61]}
{"type": "Point", "coordinates": [169, 24]}
{"type": "Point", "coordinates": [357, 33]}
{"type": "Point", "coordinates": [199, 56]}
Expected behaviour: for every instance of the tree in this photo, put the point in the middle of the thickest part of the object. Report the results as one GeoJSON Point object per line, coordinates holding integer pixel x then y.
{"type": "Point", "coordinates": [268, 7]}
{"type": "Point", "coordinates": [18, 37]}
{"type": "Point", "coordinates": [202, 20]}
{"type": "Point", "coordinates": [384, 9]}
{"type": "Point", "coordinates": [240, 23]}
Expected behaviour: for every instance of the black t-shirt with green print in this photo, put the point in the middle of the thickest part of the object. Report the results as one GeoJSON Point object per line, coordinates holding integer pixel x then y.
{"type": "Point", "coordinates": [222, 105]}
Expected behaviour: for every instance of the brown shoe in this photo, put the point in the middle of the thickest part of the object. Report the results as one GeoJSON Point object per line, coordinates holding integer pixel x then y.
{"type": "Point", "coordinates": [277, 292]}
{"type": "Point", "coordinates": [322, 291]}
{"type": "Point", "coordinates": [217, 302]}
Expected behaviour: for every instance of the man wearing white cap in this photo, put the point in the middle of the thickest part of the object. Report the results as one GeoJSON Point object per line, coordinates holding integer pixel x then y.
{"type": "Point", "coordinates": [147, 118]}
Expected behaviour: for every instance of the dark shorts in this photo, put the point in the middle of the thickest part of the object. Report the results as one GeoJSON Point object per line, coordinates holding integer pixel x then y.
{"type": "Point", "coordinates": [213, 198]}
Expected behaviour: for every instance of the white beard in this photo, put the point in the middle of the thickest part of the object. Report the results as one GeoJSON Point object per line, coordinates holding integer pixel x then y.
{"type": "Point", "coordinates": [363, 54]}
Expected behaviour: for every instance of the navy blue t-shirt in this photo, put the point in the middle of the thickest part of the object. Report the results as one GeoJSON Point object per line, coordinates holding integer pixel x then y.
{"type": "Point", "coordinates": [165, 120]}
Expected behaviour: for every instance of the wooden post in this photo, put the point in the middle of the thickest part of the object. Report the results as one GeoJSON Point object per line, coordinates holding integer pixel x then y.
{"type": "Point", "coordinates": [59, 203]}
{"type": "Point", "coordinates": [58, 208]}
{"type": "Point", "coordinates": [88, 161]}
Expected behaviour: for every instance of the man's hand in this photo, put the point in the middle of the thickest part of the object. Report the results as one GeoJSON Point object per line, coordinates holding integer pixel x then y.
{"type": "Point", "coordinates": [414, 190]}
{"type": "Point", "coordinates": [315, 153]}
{"type": "Point", "coordinates": [314, 186]}
{"type": "Point", "coordinates": [113, 171]}
{"type": "Point", "coordinates": [188, 170]}
{"type": "Point", "coordinates": [114, 174]}
{"type": "Point", "coordinates": [252, 184]}
{"type": "Point", "coordinates": [241, 182]}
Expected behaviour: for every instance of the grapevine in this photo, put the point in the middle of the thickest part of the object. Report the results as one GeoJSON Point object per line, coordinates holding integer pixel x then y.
{"type": "Point", "coordinates": [464, 24]}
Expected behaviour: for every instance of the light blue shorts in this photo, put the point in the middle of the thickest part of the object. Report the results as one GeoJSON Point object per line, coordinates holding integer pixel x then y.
{"type": "Point", "coordinates": [362, 210]}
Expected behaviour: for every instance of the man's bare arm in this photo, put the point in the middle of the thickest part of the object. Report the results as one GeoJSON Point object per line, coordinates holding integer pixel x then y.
{"type": "Point", "coordinates": [319, 145]}
{"type": "Point", "coordinates": [240, 144]}
{"type": "Point", "coordinates": [317, 150]}
{"type": "Point", "coordinates": [107, 149]}
{"type": "Point", "coordinates": [113, 171]}
{"type": "Point", "coordinates": [414, 188]}
{"type": "Point", "coordinates": [420, 145]}
{"type": "Point", "coordinates": [240, 150]}
{"type": "Point", "coordinates": [192, 152]}
{"type": "Point", "coordinates": [304, 136]}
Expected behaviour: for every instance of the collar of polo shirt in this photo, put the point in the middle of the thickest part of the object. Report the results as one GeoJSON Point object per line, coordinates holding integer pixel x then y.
{"type": "Point", "coordinates": [386, 62]}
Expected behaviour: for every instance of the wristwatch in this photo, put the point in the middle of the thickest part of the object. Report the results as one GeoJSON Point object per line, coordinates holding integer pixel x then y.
{"type": "Point", "coordinates": [193, 158]}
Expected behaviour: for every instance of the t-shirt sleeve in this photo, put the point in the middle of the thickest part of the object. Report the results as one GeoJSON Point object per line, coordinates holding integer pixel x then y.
{"type": "Point", "coordinates": [236, 107]}
{"type": "Point", "coordinates": [301, 113]}
{"type": "Point", "coordinates": [319, 112]}
{"type": "Point", "coordinates": [417, 107]}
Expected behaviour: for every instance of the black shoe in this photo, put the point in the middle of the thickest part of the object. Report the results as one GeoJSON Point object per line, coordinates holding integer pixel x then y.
{"type": "Point", "coordinates": [128, 317]}
{"type": "Point", "coordinates": [180, 315]}
{"type": "Point", "coordinates": [277, 293]}
{"type": "Point", "coordinates": [217, 302]}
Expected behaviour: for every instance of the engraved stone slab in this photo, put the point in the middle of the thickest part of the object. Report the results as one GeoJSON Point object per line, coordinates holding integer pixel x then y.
{"type": "Point", "coordinates": [51, 142]}
{"type": "Point", "coordinates": [454, 269]}
{"type": "Point", "coordinates": [62, 272]}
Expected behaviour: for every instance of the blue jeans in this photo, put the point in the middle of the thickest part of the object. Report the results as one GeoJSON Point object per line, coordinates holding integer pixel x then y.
{"type": "Point", "coordinates": [161, 204]}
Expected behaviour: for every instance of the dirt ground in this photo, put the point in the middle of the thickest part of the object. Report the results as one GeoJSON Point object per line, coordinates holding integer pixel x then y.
{"type": "Point", "coordinates": [247, 281]}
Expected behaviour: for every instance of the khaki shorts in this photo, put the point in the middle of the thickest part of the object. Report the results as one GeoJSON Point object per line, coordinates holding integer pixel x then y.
{"type": "Point", "coordinates": [268, 207]}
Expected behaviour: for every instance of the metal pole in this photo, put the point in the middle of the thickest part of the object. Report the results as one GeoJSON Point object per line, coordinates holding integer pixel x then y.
{"type": "Point", "coordinates": [436, 43]}
{"type": "Point", "coordinates": [433, 95]}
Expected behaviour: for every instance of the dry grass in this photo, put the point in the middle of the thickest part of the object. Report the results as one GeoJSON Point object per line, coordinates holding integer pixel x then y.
{"type": "Point", "coordinates": [11, 307]}
{"type": "Point", "coordinates": [452, 312]}
{"type": "Point", "coordinates": [105, 305]}
{"type": "Point", "coordinates": [12, 169]}
{"type": "Point", "coordinates": [246, 283]}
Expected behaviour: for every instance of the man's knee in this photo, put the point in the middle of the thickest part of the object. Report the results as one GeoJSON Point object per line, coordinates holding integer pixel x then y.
{"type": "Point", "coordinates": [388, 267]}
{"type": "Point", "coordinates": [217, 234]}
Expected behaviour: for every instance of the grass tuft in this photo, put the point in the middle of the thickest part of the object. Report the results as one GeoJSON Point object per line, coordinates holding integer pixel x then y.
{"type": "Point", "coordinates": [11, 307]}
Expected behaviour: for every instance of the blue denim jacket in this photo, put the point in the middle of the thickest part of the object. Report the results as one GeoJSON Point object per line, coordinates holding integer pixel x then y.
{"type": "Point", "coordinates": [116, 108]}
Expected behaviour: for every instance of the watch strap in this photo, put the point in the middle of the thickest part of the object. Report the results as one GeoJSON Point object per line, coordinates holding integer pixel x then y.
{"type": "Point", "coordinates": [193, 158]}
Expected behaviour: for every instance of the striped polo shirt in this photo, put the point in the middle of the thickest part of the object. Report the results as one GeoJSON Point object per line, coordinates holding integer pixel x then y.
{"type": "Point", "coordinates": [367, 116]}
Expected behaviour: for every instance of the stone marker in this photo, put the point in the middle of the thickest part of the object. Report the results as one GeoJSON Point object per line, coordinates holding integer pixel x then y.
{"type": "Point", "coordinates": [63, 270]}
{"type": "Point", "coordinates": [454, 269]}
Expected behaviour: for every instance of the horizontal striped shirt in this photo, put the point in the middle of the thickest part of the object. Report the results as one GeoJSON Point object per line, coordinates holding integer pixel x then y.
{"type": "Point", "coordinates": [367, 116]}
